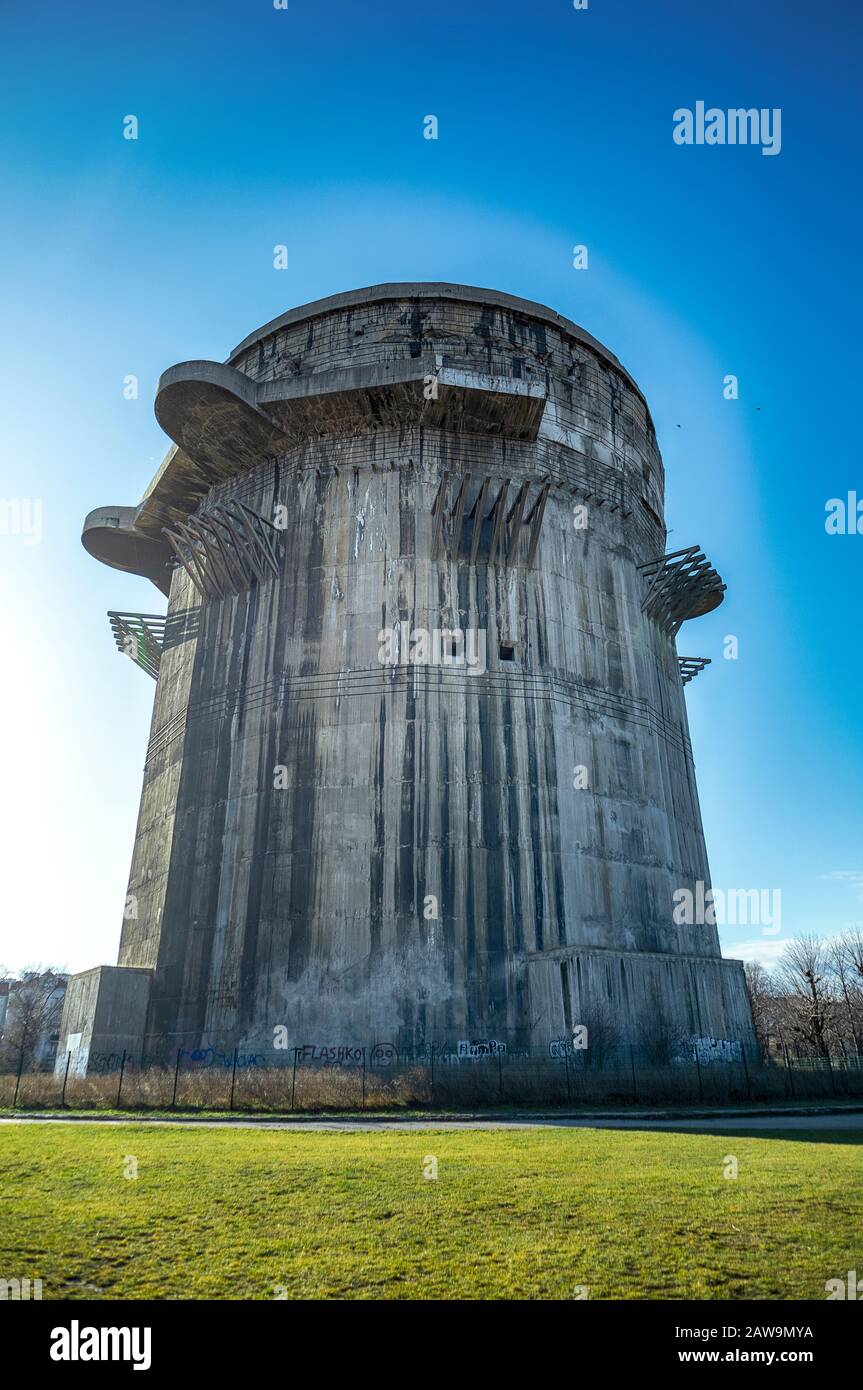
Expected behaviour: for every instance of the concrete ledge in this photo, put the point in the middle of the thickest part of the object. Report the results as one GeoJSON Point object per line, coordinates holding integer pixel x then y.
{"type": "Point", "coordinates": [222, 423]}
{"type": "Point", "coordinates": [109, 534]}
{"type": "Point", "coordinates": [225, 423]}
{"type": "Point", "coordinates": [695, 995]}
{"type": "Point", "coordinates": [211, 412]}
{"type": "Point", "coordinates": [404, 393]}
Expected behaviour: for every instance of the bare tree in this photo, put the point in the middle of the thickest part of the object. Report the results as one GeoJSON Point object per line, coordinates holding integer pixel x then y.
{"type": "Point", "coordinates": [33, 1013]}
{"type": "Point", "coordinates": [852, 942]}
{"type": "Point", "coordinates": [766, 1016]}
{"type": "Point", "coordinates": [804, 975]}
{"type": "Point", "coordinates": [845, 954]}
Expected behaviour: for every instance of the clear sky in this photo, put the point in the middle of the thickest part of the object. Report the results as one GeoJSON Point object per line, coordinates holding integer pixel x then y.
{"type": "Point", "coordinates": [304, 127]}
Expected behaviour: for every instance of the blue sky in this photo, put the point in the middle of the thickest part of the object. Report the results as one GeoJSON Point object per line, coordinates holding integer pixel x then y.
{"type": "Point", "coordinates": [304, 127]}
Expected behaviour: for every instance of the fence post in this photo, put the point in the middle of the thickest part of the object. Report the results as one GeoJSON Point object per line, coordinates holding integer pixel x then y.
{"type": "Point", "coordinates": [18, 1079]}
{"type": "Point", "coordinates": [832, 1077]}
{"type": "Point", "coordinates": [432, 1075]}
{"type": "Point", "coordinates": [568, 1085]}
{"type": "Point", "coordinates": [120, 1084]}
{"type": "Point", "coordinates": [500, 1075]}
{"type": "Point", "coordinates": [66, 1078]}
{"type": "Point", "coordinates": [789, 1068]}
{"type": "Point", "coordinates": [632, 1068]}
{"type": "Point", "coordinates": [746, 1069]}
{"type": "Point", "coordinates": [233, 1080]}
{"type": "Point", "coordinates": [176, 1072]}
{"type": "Point", "coordinates": [294, 1078]}
{"type": "Point", "coordinates": [698, 1069]}
{"type": "Point", "coordinates": [364, 1079]}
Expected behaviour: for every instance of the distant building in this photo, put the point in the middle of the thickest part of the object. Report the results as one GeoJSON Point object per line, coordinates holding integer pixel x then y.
{"type": "Point", "coordinates": [30, 1012]}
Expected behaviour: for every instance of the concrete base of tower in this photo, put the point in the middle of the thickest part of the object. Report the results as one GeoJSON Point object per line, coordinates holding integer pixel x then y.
{"type": "Point", "coordinates": [664, 1004]}
{"type": "Point", "coordinates": [104, 1015]}
{"type": "Point", "coordinates": [411, 1001]}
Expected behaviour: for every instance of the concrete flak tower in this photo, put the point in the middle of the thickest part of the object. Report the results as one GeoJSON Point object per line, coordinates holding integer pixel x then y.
{"type": "Point", "coordinates": [419, 769]}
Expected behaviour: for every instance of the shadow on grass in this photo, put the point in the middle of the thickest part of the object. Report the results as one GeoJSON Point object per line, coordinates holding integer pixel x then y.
{"type": "Point", "coordinates": [799, 1129]}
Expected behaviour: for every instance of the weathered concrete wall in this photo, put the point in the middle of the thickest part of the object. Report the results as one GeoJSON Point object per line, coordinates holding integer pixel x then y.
{"type": "Point", "coordinates": [104, 1015]}
{"type": "Point", "coordinates": [650, 999]}
{"type": "Point", "coordinates": [307, 903]}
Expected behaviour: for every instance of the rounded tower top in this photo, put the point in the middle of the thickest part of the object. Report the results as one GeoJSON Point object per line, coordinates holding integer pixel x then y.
{"type": "Point", "coordinates": [433, 290]}
{"type": "Point", "coordinates": [356, 362]}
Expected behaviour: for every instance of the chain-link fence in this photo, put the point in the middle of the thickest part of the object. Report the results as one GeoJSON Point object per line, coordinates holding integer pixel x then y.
{"type": "Point", "coordinates": [379, 1078]}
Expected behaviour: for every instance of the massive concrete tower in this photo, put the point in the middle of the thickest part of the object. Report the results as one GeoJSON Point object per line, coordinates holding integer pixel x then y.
{"type": "Point", "coordinates": [419, 768]}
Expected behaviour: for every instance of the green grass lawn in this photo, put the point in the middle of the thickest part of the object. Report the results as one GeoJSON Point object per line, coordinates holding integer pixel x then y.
{"type": "Point", "coordinates": [512, 1214]}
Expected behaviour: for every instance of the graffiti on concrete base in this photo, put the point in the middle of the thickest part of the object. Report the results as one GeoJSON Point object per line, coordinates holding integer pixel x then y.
{"type": "Point", "coordinates": [380, 1055]}
{"type": "Point", "coordinates": [482, 1047]}
{"type": "Point", "coordinates": [103, 1062]}
{"type": "Point", "coordinates": [717, 1050]}
{"type": "Point", "coordinates": [205, 1057]}
{"type": "Point", "coordinates": [333, 1056]}
{"type": "Point", "coordinates": [568, 1047]}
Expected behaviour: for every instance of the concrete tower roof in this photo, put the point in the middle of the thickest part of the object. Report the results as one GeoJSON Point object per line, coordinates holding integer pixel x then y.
{"type": "Point", "coordinates": [435, 290]}
{"type": "Point", "coordinates": [222, 421]}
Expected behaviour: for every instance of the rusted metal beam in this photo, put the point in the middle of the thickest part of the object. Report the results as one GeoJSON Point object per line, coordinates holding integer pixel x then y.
{"type": "Point", "coordinates": [189, 561]}
{"type": "Point", "coordinates": [231, 548]}
{"type": "Point", "coordinates": [216, 566]}
{"type": "Point", "coordinates": [226, 549]}
{"type": "Point", "coordinates": [246, 546]}
{"type": "Point", "coordinates": [210, 586]}
{"type": "Point", "coordinates": [269, 534]}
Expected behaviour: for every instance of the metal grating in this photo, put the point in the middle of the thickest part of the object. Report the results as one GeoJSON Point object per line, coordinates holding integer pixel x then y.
{"type": "Point", "coordinates": [140, 636]}
{"type": "Point", "coordinates": [691, 666]}
{"type": "Point", "coordinates": [682, 585]}
{"type": "Point", "coordinates": [224, 550]}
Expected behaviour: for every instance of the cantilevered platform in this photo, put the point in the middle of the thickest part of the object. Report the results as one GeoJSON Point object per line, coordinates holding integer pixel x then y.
{"type": "Point", "coordinates": [223, 422]}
